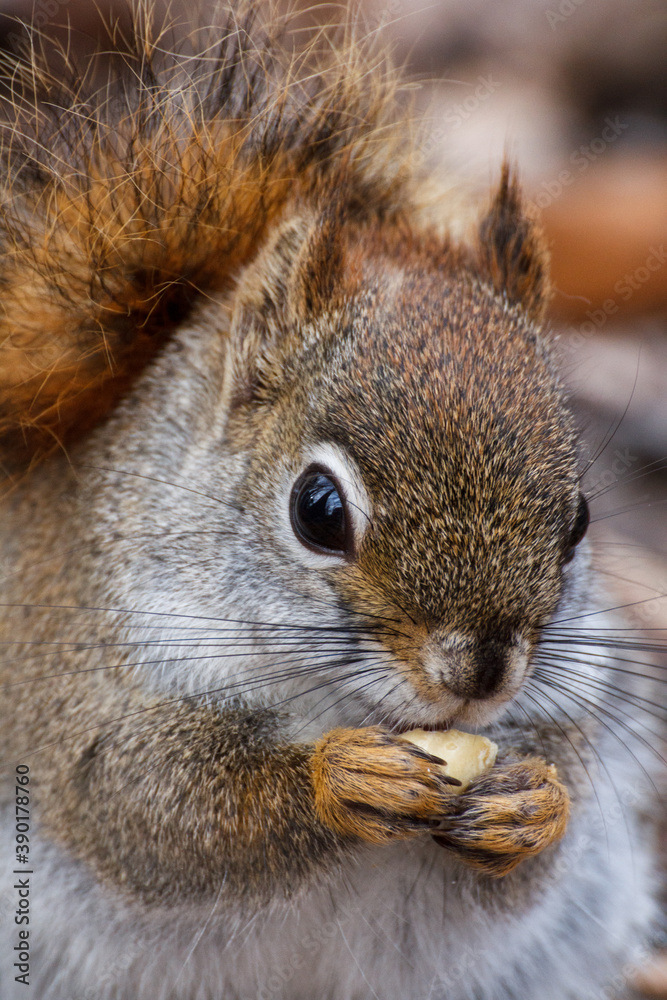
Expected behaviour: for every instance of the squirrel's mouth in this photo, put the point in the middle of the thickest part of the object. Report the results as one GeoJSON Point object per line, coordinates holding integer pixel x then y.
{"type": "Point", "coordinates": [470, 715]}
{"type": "Point", "coordinates": [429, 727]}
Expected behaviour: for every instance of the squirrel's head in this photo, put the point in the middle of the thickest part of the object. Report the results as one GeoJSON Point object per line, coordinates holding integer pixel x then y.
{"type": "Point", "coordinates": [405, 416]}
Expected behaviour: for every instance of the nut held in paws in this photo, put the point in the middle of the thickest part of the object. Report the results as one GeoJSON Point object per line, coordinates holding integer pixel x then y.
{"type": "Point", "coordinates": [466, 756]}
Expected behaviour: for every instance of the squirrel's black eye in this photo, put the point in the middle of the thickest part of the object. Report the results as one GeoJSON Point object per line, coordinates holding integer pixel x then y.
{"type": "Point", "coordinates": [318, 513]}
{"type": "Point", "coordinates": [579, 527]}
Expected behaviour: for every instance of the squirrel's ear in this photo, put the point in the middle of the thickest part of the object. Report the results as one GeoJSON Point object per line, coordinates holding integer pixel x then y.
{"type": "Point", "coordinates": [319, 274]}
{"type": "Point", "coordinates": [296, 276]}
{"type": "Point", "coordinates": [294, 279]}
{"type": "Point", "coordinates": [512, 249]}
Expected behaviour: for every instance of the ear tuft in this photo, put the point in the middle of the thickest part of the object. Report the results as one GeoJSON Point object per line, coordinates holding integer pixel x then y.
{"type": "Point", "coordinates": [512, 248]}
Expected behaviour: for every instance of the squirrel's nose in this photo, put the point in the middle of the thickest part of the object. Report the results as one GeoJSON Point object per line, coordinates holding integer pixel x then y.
{"type": "Point", "coordinates": [481, 668]}
{"type": "Point", "coordinates": [476, 667]}
{"type": "Point", "coordinates": [488, 668]}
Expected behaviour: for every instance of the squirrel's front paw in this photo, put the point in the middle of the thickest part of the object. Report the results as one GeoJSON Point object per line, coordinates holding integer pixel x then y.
{"type": "Point", "coordinates": [510, 813]}
{"type": "Point", "coordinates": [372, 785]}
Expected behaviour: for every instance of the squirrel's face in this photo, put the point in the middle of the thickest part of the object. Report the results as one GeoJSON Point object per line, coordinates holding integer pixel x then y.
{"type": "Point", "coordinates": [427, 467]}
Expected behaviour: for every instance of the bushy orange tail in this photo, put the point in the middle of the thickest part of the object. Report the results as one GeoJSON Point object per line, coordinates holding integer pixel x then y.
{"type": "Point", "coordinates": [127, 200]}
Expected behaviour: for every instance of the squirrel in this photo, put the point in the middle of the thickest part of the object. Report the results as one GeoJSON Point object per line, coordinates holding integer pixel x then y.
{"type": "Point", "coordinates": [290, 471]}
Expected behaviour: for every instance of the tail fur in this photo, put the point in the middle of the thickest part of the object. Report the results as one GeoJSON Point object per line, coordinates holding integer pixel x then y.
{"type": "Point", "coordinates": [136, 186]}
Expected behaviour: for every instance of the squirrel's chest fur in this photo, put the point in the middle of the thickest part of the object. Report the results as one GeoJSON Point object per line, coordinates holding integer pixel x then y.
{"type": "Point", "coordinates": [392, 924]}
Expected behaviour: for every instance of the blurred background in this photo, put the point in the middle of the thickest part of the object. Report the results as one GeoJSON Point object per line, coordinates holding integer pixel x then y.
{"type": "Point", "coordinates": [576, 92]}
